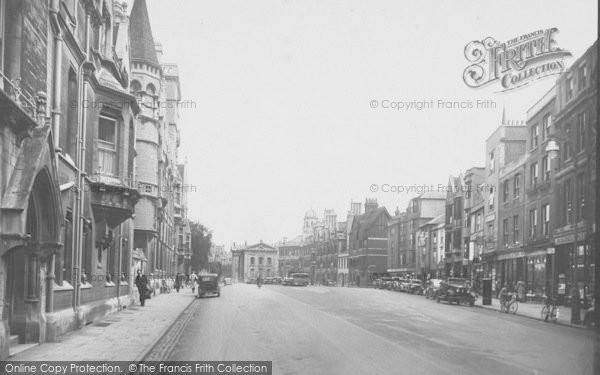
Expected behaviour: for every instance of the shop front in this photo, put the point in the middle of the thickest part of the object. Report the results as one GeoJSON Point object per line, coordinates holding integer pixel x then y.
{"type": "Point", "coordinates": [574, 265]}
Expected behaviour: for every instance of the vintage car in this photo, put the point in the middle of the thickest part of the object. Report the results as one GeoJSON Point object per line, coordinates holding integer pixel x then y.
{"type": "Point", "coordinates": [403, 285]}
{"type": "Point", "coordinates": [227, 281]}
{"type": "Point", "coordinates": [415, 287]}
{"type": "Point", "coordinates": [208, 283]}
{"type": "Point", "coordinates": [286, 281]}
{"type": "Point", "coordinates": [431, 288]}
{"type": "Point", "coordinates": [385, 283]}
{"type": "Point", "coordinates": [456, 291]}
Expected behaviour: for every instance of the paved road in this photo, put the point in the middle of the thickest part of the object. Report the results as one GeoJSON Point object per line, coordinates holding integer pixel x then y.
{"type": "Point", "coordinates": [320, 330]}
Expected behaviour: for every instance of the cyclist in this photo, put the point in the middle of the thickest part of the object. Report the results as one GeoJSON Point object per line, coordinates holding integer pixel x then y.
{"type": "Point", "coordinates": [503, 295]}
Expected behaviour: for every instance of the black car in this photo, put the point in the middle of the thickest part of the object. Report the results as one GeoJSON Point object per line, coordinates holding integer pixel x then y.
{"type": "Point", "coordinates": [456, 291]}
{"type": "Point", "coordinates": [208, 284]}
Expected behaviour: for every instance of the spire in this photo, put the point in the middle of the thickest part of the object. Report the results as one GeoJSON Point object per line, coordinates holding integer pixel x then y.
{"type": "Point", "coordinates": [142, 43]}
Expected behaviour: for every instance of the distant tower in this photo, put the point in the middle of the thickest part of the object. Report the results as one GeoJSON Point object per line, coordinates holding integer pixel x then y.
{"type": "Point", "coordinates": [145, 84]}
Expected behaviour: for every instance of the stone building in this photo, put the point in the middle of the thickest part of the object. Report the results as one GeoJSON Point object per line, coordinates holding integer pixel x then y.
{"type": "Point", "coordinates": [251, 262]}
{"type": "Point", "coordinates": [572, 151]}
{"type": "Point", "coordinates": [67, 199]}
{"type": "Point", "coordinates": [159, 222]}
{"type": "Point", "coordinates": [368, 244]}
{"type": "Point", "coordinates": [505, 145]}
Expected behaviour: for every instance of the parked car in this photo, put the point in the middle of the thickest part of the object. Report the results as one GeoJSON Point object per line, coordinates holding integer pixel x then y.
{"type": "Point", "coordinates": [456, 291]}
{"type": "Point", "coordinates": [403, 285]}
{"type": "Point", "coordinates": [415, 286]}
{"type": "Point", "coordinates": [277, 280]}
{"type": "Point", "coordinates": [251, 281]}
{"type": "Point", "coordinates": [385, 283]}
{"type": "Point", "coordinates": [269, 280]}
{"type": "Point", "coordinates": [286, 281]}
{"type": "Point", "coordinates": [431, 288]}
{"type": "Point", "coordinates": [227, 281]}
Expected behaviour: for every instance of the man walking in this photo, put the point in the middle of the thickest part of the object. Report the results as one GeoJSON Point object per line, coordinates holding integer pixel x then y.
{"type": "Point", "coordinates": [141, 281]}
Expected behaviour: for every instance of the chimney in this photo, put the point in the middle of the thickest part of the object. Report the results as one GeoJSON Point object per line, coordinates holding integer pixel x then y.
{"type": "Point", "coordinates": [370, 205]}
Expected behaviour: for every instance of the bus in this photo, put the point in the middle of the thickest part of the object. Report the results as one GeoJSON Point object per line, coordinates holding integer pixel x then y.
{"type": "Point", "coordinates": [300, 279]}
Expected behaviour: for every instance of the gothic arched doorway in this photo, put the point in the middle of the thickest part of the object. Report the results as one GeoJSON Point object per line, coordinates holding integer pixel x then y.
{"type": "Point", "coordinates": [24, 288]}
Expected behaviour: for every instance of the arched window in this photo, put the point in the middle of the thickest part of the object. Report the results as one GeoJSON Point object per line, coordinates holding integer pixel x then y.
{"type": "Point", "coordinates": [135, 86]}
{"type": "Point", "coordinates": [150, 89]}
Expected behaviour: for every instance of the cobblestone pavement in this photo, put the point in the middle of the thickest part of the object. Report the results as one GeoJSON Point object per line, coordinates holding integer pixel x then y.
{"type": "Point", "coordinates": [123, 336]}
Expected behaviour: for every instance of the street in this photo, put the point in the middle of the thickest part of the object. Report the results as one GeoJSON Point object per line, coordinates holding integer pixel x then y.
{"type": "Point", "coordinates": [321, 330]}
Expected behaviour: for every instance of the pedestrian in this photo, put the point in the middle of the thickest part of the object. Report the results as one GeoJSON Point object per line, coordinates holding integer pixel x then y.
{"type": "Point", "coordinates": [178, 282]}
{"type": "Point", "coordinates": [141, 281]}
{"type": "Point", "coordinates": [575, 305]}
{"type": "Point", "coordinates": [193, 279]}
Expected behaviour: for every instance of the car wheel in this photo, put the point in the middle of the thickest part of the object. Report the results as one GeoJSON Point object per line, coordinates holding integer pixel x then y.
{"type": "Point", "coordinates": [438, 300]}
{"type": "Point", "coordinates": [472, 303]}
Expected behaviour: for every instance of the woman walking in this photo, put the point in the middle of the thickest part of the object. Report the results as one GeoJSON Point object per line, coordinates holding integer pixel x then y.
{"type": "Point", "coordinates": [141, 281]}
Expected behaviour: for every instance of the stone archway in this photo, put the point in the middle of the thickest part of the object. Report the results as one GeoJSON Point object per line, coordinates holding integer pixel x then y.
{"type": "Point", "coordinates": [26, 262]}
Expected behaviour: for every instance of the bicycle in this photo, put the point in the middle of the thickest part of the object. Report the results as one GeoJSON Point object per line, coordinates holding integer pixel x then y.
{"type": "Point", "coordinates": [550, 311]}
{"type": "Point", "coordinates": [510, 305]}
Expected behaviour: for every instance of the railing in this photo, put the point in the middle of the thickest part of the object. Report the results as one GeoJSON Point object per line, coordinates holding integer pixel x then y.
{"type": "Point", "coordinates": [19, 95]}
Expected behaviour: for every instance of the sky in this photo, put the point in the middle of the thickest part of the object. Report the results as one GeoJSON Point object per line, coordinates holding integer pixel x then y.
{"type": "Point", "coordinates": [280, 95]}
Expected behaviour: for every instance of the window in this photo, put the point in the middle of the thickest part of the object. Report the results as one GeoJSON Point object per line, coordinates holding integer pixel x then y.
{"type": "Point", "coordinates": [534, 136]}
{"type": "Point", "coordinates": [505, 231]}
{"type": "Point", "coordinates": [516, 229]}
{"type": "Point", "coordinates": [581, 129]}
{"type": "Point", "coordinates": [260, 261]}
{"type": "Point", "coordinates": [532, 222]}
{"type": "Point", "coordinates": [492, 162]}
{"type": "Point", "coordinates": [505, 193]}
{"type": "Point", "coordinates": [252, 260]}
{"type": "Point", "coordinates": [546, 168]}
{"type": "Point", "coordinates": [546, 124]}
{"type": "Point", "coordinates": [135, 87]}
{"type": "Point", "coordinates": [568, 151]}
{"type": "Point", "coordinates": [491, 202]}
{"type": "Point", "coordinates": [478, 222]}
{"type": "Point", "coordinates": [582, 78]}
{"type": "Point", "coordinates": [107, 145]}
{"type": "Point", "coordinates": [533, 171]}
{"type": "Point", "coordinates": [581, 196]}
{"type": "Point", "coordinates": [150, 89]}
{"type": "Point", "coordinates": [517, 186]}
{"type": "Point", "coordinates": [568, 199]}
{"type": "Point", "coordinates": [569, 88]}
{"type": "Point", "coordinates": [546, 219]}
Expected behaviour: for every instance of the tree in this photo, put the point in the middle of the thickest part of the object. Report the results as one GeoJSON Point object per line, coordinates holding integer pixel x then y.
{"type": "Point", "coordinates": [201, 241]}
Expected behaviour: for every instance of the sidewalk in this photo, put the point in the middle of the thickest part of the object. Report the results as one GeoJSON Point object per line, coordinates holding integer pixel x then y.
{"type": "Point", "coordinates": [534, 311]}
{"type": "Point", "coordinates": [123, 336]}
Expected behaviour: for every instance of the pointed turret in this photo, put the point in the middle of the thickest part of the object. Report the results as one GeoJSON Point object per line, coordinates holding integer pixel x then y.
{"type": "Point", "coordinates": [143, 48]}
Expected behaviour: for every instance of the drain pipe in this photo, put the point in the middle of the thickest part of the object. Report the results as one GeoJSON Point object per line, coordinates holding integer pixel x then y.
{"type": "Point", "coordinates": [55, 128]}
{"type": "Point", "coordinates": [77, 249]}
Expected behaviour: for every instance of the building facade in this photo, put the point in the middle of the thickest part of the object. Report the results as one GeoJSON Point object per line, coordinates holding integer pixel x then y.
{"type": "Point", "coordinates": [69, 146]}
{"type": "Point", "coordinates": [505, 145]}
{"type": "Point", "coordinates": [160, 221]}
{"type": "Point", "coordinates": [251, 262]}
{"type": "Point", "coordinates": [573, 154]}
{"type": "Point", "coordinates": [368, 244]}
